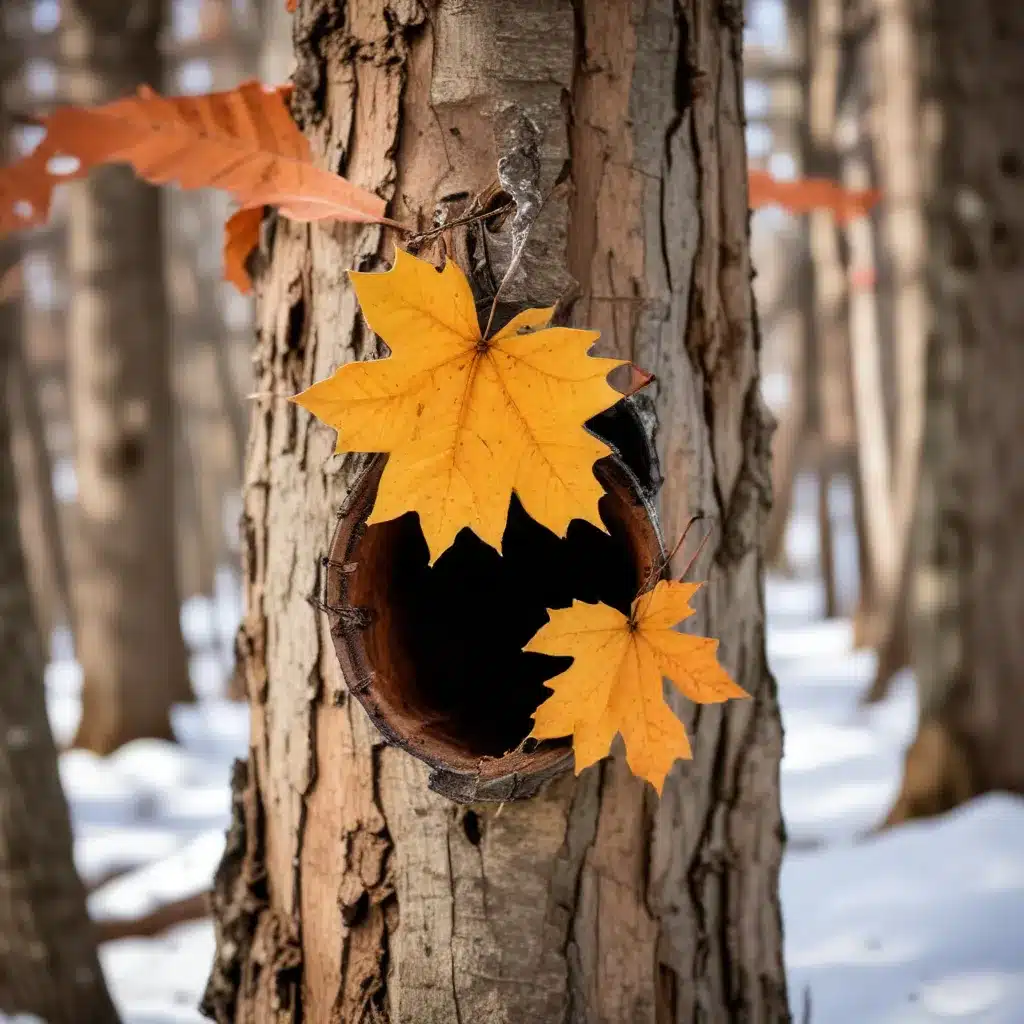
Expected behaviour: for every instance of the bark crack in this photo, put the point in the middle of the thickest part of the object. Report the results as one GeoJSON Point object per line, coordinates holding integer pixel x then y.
{"type": "Point", "coordinates": [682, 98]}
{"type": "Point", "coordinates": [451, 882]}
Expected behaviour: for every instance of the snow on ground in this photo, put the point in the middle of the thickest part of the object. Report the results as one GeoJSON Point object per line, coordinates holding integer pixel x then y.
{"type": "Point", "coordinates": [922, 924]}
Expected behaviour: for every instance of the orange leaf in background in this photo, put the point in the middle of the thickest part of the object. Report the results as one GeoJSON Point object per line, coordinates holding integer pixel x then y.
{"type": "Point", "coordinates": [807, 194]}
{"type": "Point", "coordinates": [241, 236]}
{"type": "Point", "coordinates": [243, 141]}
{"type": "Point", "coordinates": [614, 684]}
{"type": "Point", "coordinates": [291, 5]}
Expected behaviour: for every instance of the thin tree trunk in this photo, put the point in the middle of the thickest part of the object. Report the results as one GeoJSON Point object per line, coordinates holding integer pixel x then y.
{"type": "Point", "coordinates": [788, 454]}
{"type": "Point", "coordinates": [967, 596]}
{"type": "Point", "coordinates": [826, 546]}
{"type": "Point", "coordinates": [42, 538]}
{"type": "Point", "coordinates": [879, 539]}
{"type": "Point", "coordinates": [48, 962]}
{"type": "Point", "coordinates": [836, 428]}
{"type": "Point", "coordinates": [790, 448]}
{"type": "Point", "coordinates": [126, 598]}
{"type": "Point", "coordinates": [349, 888]}
{"type": "Point", "coordinates": [899, 143]}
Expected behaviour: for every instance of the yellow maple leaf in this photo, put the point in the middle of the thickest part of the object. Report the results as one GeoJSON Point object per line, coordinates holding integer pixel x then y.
{"type": "Point", "coordinates": [468, 420]}
{"type": "Point", "coordinates": [614, 684]}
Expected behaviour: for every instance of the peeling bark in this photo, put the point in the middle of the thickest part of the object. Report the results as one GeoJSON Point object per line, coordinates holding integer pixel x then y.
{"type": "Point", "coordinates": [592, 901]}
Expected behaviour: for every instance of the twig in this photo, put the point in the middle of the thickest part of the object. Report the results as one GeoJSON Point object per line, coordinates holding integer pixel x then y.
{"type": "Point", "coordinates": [188, 908]}
{"type": "Point", "coordinates": [659, 567]}
{"type": "Point", "coordinates": [696, 554]}
{"type": "Point", "coordinates": [459, 221]}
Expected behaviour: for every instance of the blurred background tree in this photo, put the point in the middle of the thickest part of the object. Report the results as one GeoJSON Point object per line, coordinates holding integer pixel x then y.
{"type": "Point", "coordinates": [900, 358]}
{"type": "Point", "coordinates": [48, 960]}
{"type": "Point", "coordinates": [128, 398]}
{"type": "Point", "coordinates": [966, 589]}
{"type": "Point", "coordinates": [125, 593]}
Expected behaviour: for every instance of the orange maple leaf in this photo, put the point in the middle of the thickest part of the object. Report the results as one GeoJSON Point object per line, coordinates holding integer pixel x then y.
{"type": "Point", "coordinates": [242, 141]}
{"type": "Point", "coordinates": [614, 684]}
{"type": "Point", "coordinates": [467, 420]}
{"type": "Point", "coordinates": [806, 194]}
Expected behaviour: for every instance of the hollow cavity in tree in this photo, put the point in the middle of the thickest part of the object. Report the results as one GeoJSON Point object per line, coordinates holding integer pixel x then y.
{"type": "Point", "coordinates": [434, 653]}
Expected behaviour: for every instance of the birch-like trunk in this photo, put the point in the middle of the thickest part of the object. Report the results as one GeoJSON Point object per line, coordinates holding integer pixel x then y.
{"type": "Point", "coordinates": [350, 891]}
{"type": "Point", "coordinates": [836, 430]}
{"type": "Point", "coordinates": [968, 587]}
{"type": "Point", "coordinates": [798, 423]}
{"type": "Point", "coordinates": [901, 146]}
{"type": "Point", "coordinates": [127, 632]}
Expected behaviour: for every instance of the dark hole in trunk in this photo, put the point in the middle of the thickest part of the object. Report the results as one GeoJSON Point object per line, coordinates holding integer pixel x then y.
{"type": "Point", "coordinates": [439, 664]}
{"type": "Point", "coordinates": [464, 620]}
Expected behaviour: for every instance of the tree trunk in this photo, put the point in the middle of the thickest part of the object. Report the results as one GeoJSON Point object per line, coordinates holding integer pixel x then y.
{"type": "Point", "coordinates": [967, 597]}
{"type": "Point", "coordinates": [832, 364]}
{"type": "Point", "coordinates": [801, 416]}
{"type": "Point", "coordinates": [877, 538]}
{"type": "Point", "coordinates": [899, 137]}
{"type": "Point", "coordinates": [42, 538]}
{"type": "Point", "coordinates": [48, 962]}
{"type": "Point", "coordinates": [350, 891]}
{"type": "Point", "coordinates": [125, 595]}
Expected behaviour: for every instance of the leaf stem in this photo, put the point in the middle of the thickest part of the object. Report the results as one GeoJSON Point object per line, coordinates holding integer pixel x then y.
{"type": "Point", "coordinates": [459, 221]}
{"type": "Point", "coordinates": [658, 568]}
{"type": "Point", "coordinates": [696, 554]}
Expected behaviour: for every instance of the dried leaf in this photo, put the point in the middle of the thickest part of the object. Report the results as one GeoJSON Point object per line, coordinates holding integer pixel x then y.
{"type": "Point", "coordinates": [614, 684]}
{"type": "Point", "coordinates": [806, 194]}
{"type": "Point", "coordinates": [291, 6]}
{"type": "Point", "coordinates": [243, 141]}
{"type": "Point", "coordinates": [635, 381]}
{"type": "Point", "coordinates": [467, 421]}
{"type": "Point", "coordinates": [241, 236]}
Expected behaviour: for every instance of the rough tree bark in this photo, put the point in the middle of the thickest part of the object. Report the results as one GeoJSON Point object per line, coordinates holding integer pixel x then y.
{"type": "Point", "coordinates": [127, 630]}
{"type": "Point", "coordinates": [967, 597]}
{"type": "Point", "coordinates": [48, 962]}
{"type": "Point", "coordinates": [349, 890]}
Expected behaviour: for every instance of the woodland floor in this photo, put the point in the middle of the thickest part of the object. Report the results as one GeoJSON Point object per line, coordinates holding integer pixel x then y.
{"type": "Point", "coordinates": [923, 924]}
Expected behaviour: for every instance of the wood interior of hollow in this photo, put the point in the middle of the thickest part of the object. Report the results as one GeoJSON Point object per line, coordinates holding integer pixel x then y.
{"type": "Point", "coordinates": [393, 695]}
